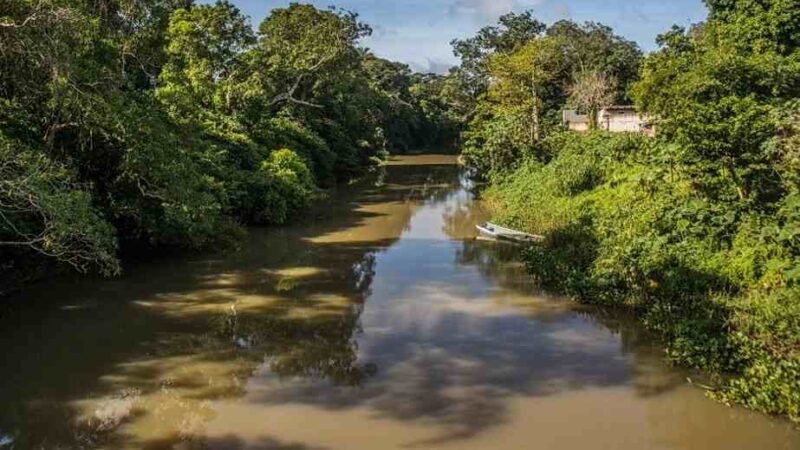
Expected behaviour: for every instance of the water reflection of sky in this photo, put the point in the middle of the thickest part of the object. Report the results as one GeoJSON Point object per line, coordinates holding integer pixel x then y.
{"type": "Point", "coordinates": [437, 329]}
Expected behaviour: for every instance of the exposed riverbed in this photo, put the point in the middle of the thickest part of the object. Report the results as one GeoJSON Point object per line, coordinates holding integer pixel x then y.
{"type": "Point", "coordinates": [378, 323]}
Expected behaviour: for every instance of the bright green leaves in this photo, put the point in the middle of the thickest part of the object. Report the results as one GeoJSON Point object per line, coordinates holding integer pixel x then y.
{"type": "Point", "coordinates": [300, 48]}
{"type": "Point", "coordinates": [582, 66]}
{"type": "Point", "coordinates": [160, 120]}
{"type": "Point", "coordinates": [700, 229]}
{"type": "Point", "coordinates": [205, 45]}
{"type": "Point", "coordinates": [301, 38]}
{"type": "Point", "coordinates": [512, 31]}
{"type": "Point", "coordinates": [714, 279]}
{"type": "Point", "coordinates": [718, 92]}
{"type": "Point", "coordinates": [293, 186]}
{"type": "Point", "coordinates": [755, 25]}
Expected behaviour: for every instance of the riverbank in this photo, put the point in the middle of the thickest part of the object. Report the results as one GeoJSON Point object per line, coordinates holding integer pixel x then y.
{"type": "Point", "coordinates": [623, 229]}
{"type": "Point", "coordinates": [25, 269]}
{"type": "Point", "coordinates": [175, 151]}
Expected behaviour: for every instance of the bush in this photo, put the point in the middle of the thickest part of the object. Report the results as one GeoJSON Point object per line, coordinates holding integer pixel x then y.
{"type": "Point", "coordinates": [766, 330]}
{"type": "Point", "coordinates": [291, 187]}
{"type": "Point", "coordinates": [286, 133]}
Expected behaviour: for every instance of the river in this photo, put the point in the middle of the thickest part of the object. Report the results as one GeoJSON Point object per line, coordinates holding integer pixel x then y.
{"type": "Point", "coordinates": [378, 322]}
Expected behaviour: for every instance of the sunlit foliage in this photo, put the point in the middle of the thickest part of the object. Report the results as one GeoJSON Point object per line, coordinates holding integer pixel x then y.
{"type": "Point", "coordinates": [699, 229]}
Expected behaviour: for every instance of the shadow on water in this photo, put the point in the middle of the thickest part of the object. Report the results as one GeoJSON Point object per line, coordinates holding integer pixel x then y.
{"type": "Point", "coordinates": [382, 303]}
{"type": "Point", "coordinates": [116, 339]}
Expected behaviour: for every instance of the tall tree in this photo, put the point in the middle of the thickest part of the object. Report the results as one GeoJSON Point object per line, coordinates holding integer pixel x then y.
{"type": "Point", "coordinates": [512, 31]}
{"type": "Point", "coordinates": [592, 91]}
{"type": "Point", "coordinates": [716, 89]}
{"type": "Point", "coordinates": [528, 81]}
{"type": "Point", "coordinates": [300, 45]}
{"type": "Point", "coordinates": [593, 47]}
{"type": "Point", "coordinates": [204, 50]}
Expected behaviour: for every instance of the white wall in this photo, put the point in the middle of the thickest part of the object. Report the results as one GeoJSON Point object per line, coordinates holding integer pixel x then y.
{"type": "Point", "coordinates": [621, 121]}
{"type": "Point", "coordinates": [578, 126]}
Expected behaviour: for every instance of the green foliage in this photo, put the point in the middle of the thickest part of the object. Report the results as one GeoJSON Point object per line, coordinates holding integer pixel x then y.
{"type": "Point", "coordinates": [765, 330]}
{"type": "Point", "coordinates": [623, 228]}
{"type": "Point", "coordinates": [293, 186]}
{"type": "Point", "coordinates": [511, 31]}
{"type": "Point", "coordinates": [494, 145]}
{"type": "Point", "coordinates": [205, 45]}
{"type": "Point", "coordinates": [281, 132]}
{"type": "Point", "coordinates": [699, 230]}
{"type": "Point", "coordinates": [162, 121]}
{"type": "Point", "coordinates": [164, 186]}
{"type": "Point", "coordinates": [593, 47]}
{"type": "Point", "coordinates": [531, 84]}
{"type": "Point", "coordinates": [45, 211]}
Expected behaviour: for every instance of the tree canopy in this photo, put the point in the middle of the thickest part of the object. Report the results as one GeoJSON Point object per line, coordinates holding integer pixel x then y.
{"type": "Point", "coordinates": [172, 123]}
{"type": "Point", "coordinates": [530, 77]}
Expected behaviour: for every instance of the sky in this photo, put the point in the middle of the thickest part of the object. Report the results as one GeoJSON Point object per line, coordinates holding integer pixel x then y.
{"type": "Point", "coordinates": [418, 32]}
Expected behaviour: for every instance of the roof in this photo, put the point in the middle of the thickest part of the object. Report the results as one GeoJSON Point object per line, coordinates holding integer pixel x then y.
{"type": "Point", "coordinates": [620, 108]}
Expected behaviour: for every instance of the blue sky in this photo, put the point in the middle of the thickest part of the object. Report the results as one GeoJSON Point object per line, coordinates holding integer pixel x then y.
{"type": "Point", "coordinates": [418, 32]}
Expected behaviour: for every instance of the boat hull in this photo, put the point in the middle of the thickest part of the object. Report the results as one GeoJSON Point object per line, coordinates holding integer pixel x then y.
{"type": "Point", "coordinates": [497, 232]}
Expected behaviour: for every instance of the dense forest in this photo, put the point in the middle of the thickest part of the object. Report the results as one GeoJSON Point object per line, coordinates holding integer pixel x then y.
{"type": "Point", "coordinates": [173, 125]}
{"type": "Point", "coordinates": [699, 229]}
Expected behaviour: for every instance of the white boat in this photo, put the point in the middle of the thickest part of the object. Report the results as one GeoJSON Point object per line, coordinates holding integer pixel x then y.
{"type": "Point", "coordinates": [497, 232]}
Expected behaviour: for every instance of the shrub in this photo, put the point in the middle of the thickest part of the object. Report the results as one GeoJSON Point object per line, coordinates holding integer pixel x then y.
{"type": "Point", "coordinates": [289, 190]}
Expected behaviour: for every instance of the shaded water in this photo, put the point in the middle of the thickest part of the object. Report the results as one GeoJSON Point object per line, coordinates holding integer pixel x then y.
{"type": "Point", "coordinates": [381, 323]}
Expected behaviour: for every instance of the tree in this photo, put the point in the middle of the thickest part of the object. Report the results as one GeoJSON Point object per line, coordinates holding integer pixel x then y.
{"type": "Point", "coordinates": [299, 43]}
{"type": "Point", "coordinates": [716, 95]}
{"type": "Point", "coordinates": [165, 122]}
{"type": "Point", "coordinates": [590, 92]}
{"type": "Point", "coordinates": [512, 31]}
{"type": "Point", "coordinates": [204, 58]}
{"type": "Point", "coordinates": [531, 82]}
{"type": "Point", "coordinates": [593, 47]}
{"type": "Point", "coordinates": [44, 211]}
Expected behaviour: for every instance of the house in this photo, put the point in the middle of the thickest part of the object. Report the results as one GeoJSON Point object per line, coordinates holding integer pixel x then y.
{"type": "Point", "coordinates": [575, 121]}
{"type": "Point", "coordinates": [615, 118]}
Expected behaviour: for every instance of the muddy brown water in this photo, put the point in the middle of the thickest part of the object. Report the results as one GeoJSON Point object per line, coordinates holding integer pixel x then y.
{"type": "Point", "coordinates": [379, 323]}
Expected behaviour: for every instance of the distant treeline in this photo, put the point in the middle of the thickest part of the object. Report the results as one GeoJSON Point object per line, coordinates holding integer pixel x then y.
{"type": "Point", "coordinates": [698, 229]}
{"type": "Point", "coordinates": [169, 123]}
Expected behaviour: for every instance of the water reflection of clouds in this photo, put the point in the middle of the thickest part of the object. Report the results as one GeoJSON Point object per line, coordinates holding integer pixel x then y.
{"type": "Point", "coordinates": [451, 345]}
{"type": "Point", "coordinates": [452, 348]}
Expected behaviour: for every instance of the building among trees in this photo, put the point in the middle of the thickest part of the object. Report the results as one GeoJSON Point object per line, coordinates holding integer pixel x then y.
{"type": "Point", "coordinates": [614, 118]}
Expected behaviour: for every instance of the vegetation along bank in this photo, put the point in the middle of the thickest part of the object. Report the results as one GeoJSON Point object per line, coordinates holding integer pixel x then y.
{"type": "Point", "coordinates": [697, 229]}
{"type": "Point", "coordinates": [172, 124]}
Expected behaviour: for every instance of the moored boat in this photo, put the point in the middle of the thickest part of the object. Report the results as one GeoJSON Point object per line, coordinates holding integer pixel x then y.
{"type": "Point", "coordinates": [497, 232]}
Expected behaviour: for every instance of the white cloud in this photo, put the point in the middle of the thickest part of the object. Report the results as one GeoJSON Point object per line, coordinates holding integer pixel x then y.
{"type": "Point", "coordinates": [487, 11]}
{"type": "Point", "coordinates": [482, 10]}
{"type": "Point", "coordinates": [432, 65]}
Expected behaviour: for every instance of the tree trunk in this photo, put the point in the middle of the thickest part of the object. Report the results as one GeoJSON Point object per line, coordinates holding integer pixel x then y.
{"type": "Point", "coordinates": [593, 119]}
{"type": "Point", "coordinates": [534, 132]}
